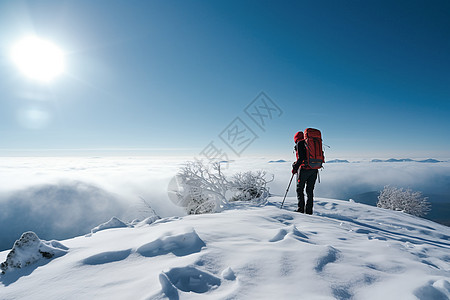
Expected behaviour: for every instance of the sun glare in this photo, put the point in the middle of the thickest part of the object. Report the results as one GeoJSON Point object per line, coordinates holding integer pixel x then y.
{"type": "Point", "coordinates": [38, 59]}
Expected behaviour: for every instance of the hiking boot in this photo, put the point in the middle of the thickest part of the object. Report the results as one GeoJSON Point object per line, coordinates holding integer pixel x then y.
{"type": "Point", "coordinates": [300, 210]}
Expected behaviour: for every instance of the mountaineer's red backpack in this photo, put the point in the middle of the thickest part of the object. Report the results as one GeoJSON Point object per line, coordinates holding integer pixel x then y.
{"type": "Point", "coordinates": [314, 151]}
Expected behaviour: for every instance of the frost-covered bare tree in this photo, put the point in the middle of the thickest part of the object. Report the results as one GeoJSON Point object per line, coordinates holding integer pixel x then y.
{"type": "Point", "coordinates": [408, 201]}
{"type": "Point", "coordinates": [201, 188]}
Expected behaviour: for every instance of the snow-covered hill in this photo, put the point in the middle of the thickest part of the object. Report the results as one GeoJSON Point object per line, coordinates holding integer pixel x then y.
{"type": "Point", "coordinates": [345, 250]}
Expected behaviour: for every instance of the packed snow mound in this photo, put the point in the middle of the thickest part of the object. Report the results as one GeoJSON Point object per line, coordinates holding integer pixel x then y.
{"type": "Point", "coordinates": [29, 249]}
{"type": "Point", "coordinates": [228, 274]}
{"type": "Point", "coordinates": [149, 220]}
{"type": "Point", "coordinates": [345, 250]}
{"type": "Point", "coordinates": [114, 222]}
{"type": "Point", "coordinates": [180, 245]}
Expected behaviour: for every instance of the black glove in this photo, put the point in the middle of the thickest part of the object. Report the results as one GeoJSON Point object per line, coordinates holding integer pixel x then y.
{"type": "Point", "coordinates": [295, 166]}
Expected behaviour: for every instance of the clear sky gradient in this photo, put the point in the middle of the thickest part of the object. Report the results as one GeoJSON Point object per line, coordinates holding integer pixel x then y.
{"type": "Point", "coordinates": [171, 77]}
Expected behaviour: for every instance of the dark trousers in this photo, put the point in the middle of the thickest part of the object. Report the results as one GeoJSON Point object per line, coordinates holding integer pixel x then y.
{"type": "Point", "coordinates": [306, 178]}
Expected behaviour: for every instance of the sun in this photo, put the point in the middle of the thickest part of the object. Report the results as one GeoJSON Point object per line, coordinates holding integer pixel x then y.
{"type": "Point", "coordinates": [38, 59]}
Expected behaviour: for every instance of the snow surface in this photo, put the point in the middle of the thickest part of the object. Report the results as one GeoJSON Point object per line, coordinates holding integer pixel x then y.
{"type": "Point", "coordinates": [346, 250]}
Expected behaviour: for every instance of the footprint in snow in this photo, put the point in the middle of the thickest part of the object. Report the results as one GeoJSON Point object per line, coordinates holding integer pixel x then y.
{"type": "Point", "coordinates": [284, 219]}
{"type": "Point", "coordinates": [330, 256]}
{"type": "Point", "coordinates": [187, 279]}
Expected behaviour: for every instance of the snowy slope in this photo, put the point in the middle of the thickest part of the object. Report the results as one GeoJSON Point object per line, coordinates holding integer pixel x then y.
{"type": "Point", "coordinates": [345, 250]}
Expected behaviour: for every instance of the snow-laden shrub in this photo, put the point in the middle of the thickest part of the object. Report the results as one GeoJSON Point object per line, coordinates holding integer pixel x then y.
{"type": "Point", "coordinates": [408, 201]}
{"type": "Point", "coordinates": [201, 188]}
{"type": "Point", "coordinates": [200, 201]}
{"type": "Point", "coordinates": [249, 186]}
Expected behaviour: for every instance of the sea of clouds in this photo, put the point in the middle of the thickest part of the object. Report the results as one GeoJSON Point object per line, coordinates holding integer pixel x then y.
{"type": "Point", "coordinates": [64, 197]}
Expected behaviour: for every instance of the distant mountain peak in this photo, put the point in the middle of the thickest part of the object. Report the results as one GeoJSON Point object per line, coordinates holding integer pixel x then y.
{"type": "Point", "coordinates": [429, 160]}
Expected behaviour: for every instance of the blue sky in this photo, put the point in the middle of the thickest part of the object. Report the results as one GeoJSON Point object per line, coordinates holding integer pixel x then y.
{"type": "Point", "coordinates": [170, 77]}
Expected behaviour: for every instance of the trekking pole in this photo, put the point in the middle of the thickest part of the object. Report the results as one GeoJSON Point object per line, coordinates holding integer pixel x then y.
{"type": "Point", "coordinates": [287, 190]}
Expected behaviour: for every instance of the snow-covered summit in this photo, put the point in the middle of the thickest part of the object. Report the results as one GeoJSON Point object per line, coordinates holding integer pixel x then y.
{"type": "Point", "coordinates": [346, 250]}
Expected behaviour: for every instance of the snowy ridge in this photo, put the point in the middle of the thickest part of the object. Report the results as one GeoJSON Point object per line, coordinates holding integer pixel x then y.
{"type": "Point", "coordinates": [345, 250]}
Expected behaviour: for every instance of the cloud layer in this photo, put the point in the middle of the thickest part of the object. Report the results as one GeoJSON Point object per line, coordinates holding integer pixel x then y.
{"type": "Point", "coordinates": [341, 181]}
{"type": "Point", "coordinates": [55, 211]}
